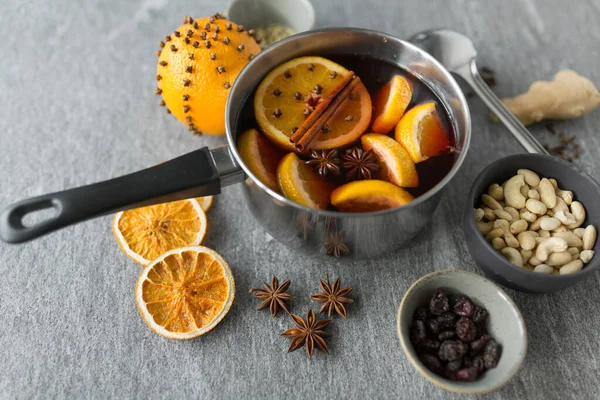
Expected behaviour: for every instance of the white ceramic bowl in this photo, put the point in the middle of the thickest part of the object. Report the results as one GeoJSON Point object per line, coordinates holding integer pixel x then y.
{"type": "Point", "coordinates": [296, 14]}
{"type": "Point", "coordinates": [505, 324]}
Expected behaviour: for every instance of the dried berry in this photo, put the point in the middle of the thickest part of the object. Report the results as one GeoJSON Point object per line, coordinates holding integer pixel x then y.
{"type": "Point", "coordinates": [446, 320]}
{"type": "Point", "coordinates": [492, 354]}
{"type": "Point", "coordinates": [446, 335]}
{"type": "Point", "coordinates": [439, 303]}
{"type": "Point", "coordinates": [433, 326]}
{"type": "Point", "coordinates": [479, 363]}
{"type": "Point", "coordinates": [463, 307]}
{"type": "Point", "coordinates": [467, 374]}
{"type": "Point", "coordinates": [479, 314]}
{"type": "Point", "coordinates": [417, 332]}
{"type": "Point", "coordinates": [431, 362]}
{"type": "Point", "coordinates": [466, 329]}
{"type": "Point", "coordinates": [454, 365]}
{"type": "Point", "coordinates": [451, 350]}
{"type": "Point", "coordinates": [421, 314]}
{"type": "Point", "coordinates": [480, 343]}
{"type": "Point", "coordinates": [429, 346]}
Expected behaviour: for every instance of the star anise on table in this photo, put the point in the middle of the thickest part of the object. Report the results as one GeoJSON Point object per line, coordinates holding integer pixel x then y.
{"type": "Point", "coordinates": [335, 245]}
{"type": "Point", "coordinates": [274, 296]}
{"type": "Point", "coordinates": [309, 333]}
{"type": "Point", "coordinates": [332, 297]}
{"type": "Point", "coordinates": [325, 162]}
{"type": "Point", "coordinates": [304, 225]}
{"type": "Point", "coordinates": [359, 164]}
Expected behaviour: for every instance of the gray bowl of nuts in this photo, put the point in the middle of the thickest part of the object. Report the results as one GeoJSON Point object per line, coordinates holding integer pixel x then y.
{"type": "Point", "coordinates": [530, 220]}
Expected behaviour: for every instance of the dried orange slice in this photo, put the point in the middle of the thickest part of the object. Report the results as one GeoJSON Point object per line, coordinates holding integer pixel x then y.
{"type": "Point", "coordinates": [421, 133]}
{"type": "Point", "coordinates": [300, 183]}
{"type": "Point", "coordinates": [185, 293]}
{"type": "Point", "coordinates": [260, 156]}
{"type": "Point", "coordinates": [398, 167]}
{"type": "Point", "coordinates": [205, 202]}
{"type": "Point", "coordinates": [148, 232]}
{"type": "Point", "coordinates": [390, 102]}
{"type": "Point", "coordinates": [298, 85]}
{"type": "Point", "coordinates": [369, 195]}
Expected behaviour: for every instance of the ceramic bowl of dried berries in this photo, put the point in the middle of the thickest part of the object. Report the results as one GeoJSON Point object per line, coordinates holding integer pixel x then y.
{"type": "Point", "coordinates": [462, 332]}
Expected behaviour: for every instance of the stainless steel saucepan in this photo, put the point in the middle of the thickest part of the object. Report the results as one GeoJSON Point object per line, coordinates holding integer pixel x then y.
{"type": "Point", "coordinates": [204, 172]}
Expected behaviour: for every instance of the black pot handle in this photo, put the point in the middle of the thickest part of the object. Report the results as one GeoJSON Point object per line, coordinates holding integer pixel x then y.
{"type": "Point", "coordinates": [199, 173]}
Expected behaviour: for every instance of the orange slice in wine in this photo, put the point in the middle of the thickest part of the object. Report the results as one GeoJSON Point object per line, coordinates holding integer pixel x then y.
{"type": "Point", "coordinates": [300, 183]}
{"type": "Point", "coordinates": [369, 195]}
{"type": "Point", "coordinates": [390, 102]}
{"type": "Point", "coordinates": [421, 133]}
{"type": "Point", "coordinates": [397, 166]}
{"type": "Point", "coordinates": [292, 91]}
{"type": "Point", "coordinates": [260, 156]}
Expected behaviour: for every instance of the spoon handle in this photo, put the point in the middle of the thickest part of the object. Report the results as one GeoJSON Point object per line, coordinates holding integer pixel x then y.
{"type": "Point", "coordinates": [470, 73]}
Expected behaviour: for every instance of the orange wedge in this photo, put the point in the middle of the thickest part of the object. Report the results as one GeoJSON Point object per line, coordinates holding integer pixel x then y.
{"type": "Point", "coordinates": [398, 167]}
{"type": "Point", "coordinates": [185, 293]}
{"type": "Point", "coordinates": [291, 88]}
{"type": "Point", "coordinates": [205, 202]}
{"type": "Point", "coordinates": [369, 195]}
{"type": "Point", "coordinates": [390, 102]}
{"type": "Point", "coordinates": [260, 156]}
{"type": "Point", "coordinates": [300, 183]}
{"type": "Point", "coordinates": [148, 232]}
{"type": "Point", "coordinates": [421, 133]}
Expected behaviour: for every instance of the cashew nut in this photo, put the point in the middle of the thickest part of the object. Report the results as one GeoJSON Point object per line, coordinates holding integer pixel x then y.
{"type": "Point", "coordinates": [547, 194]}
{"type": "Point", "coordinates": [579, 213]}
{"type": "Point", "coordinates": [533, 261]}
{"type": "Point", "coordinates": [544, 234]}
{"type": "Point", "coordinates": [589, 237]}
{"type": "Point", "coordinates": [554, 183]}
{"type": "Point", "coordinates": [526, 254]}
{"type": "Point", "coordinates": [574, 251]}
{"type": "Point", "coordinates": [536, 225]}
{"type": "Point", "coordinates": [527, 215]}
{"type": "Point", "coordinates": [498, 243]}
{"type": "Point", "coordinates": [526, 240]}
{"type": "Point", "coordinates": [549, 223]}
{"type": "Point", "coordinates": [571, 239]}
{"type": "Point", "coordinates": [512, 255]}
{"type": "Point", "coordinates": [586, 256]}
{"type": "Point", "coordinates": [511, 240]}
{"type": "Point", "coordinates": [561, 228]}
{"type": "Point", "coordinates": [504, 215]}
{"type": "Point", "coordinates": [549, 246]}
{"type": "Point", "coordinates": [533, 194]}
{"type": "Point", "coordinates": [534, 233]}
{"type": "Point", "coordinates": [565, 217]}
{"type": "Point", "coordinates": [539, 239]}
{"type": "Point", "coordinates": [502, 223]}
{"type": "Point", "coordinates": [543, 269]}
{"type": "Point", "coordinates": [512, 192]}
{"type": "Point", "coordinates": [536, 206]}
{"type": "Point", "coordinates": [485, 227]}
{"type": "Point", "coordinates": [565, 195]}
{"type": "Point", "coordinates": [525, 190]}
{"type": "Point", "coordinates": [488, 214]}
{"type": "Point", "coordinates": [560, 206]}
{"type": "Point", "coordinates": [531, 178]}
{"type": "Point", "coordinates": [479, 213]}
{"type": "Point", "coordinates": [558, 259]}
{"type": "Point", "coordinates": [494, 233]}
{"type": "Point", "coordinates": [513, 212]}
{"type": "Point", "coordinates": [571, 267]}
{"type": "Point", "coordinates": [579, 232]}
{"type": "Point", "coordinates": [518, 226]}
{"type": "Point", "coordinates": [496, 192]}
{"type": "Point", "coordinates": [490, 202]}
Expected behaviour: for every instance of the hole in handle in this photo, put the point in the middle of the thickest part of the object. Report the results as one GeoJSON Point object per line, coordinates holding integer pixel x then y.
{"type": "Point", "coordinates": [32, 215]}
{"type": "Point", "coordinates": [36, 217]}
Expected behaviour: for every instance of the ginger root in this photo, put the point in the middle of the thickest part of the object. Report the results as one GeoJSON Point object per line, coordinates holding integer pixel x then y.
{"type": "Point", "coordinates": [569, 95]}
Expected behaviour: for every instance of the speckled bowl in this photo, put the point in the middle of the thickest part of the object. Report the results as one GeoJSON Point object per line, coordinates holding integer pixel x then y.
{"type": "Point", "coordinates": [296, 14]}
{"type": "Point", "coordinates": [505, 324]}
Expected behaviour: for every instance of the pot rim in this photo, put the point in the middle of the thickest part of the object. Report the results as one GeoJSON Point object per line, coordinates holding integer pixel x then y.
{"type": "Point", "coordinates": [386, 37]}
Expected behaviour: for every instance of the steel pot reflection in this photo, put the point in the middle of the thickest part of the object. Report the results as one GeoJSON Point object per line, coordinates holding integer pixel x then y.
{"type": "Point", "coordinates": [204, 171]}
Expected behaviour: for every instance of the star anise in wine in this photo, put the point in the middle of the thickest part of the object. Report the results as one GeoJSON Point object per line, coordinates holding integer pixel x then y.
{"type": "Point", "coordinates": [325, 162]}
{"type": "Point", "coordinates": [332, 297]}
{"type": "Point", "coordinates": [274, 296]}
{"type": "Point", "coordinates": [359, 164]}
{"type": "Point", "coordinates": [335, 244]}
{"type": "Point", "coordinates": [309, 333]}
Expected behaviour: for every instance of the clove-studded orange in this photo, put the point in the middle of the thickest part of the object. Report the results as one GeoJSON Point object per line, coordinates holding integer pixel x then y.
{"type": "Point", "coordinates": [197, 65]}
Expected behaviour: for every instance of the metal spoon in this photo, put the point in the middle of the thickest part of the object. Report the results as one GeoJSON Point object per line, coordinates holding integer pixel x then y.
{"type": "Point", "coordinates": [457, 53]}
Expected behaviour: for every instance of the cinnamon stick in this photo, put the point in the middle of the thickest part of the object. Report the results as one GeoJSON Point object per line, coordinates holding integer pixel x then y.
{"type": "Point", "coordinates": [340, 100]}
{"type": "Point", "coordinates": [321, 108]}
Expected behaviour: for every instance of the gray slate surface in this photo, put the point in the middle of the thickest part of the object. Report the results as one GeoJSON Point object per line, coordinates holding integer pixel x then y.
{"type": "Point", "coordinates": [76, 106]}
